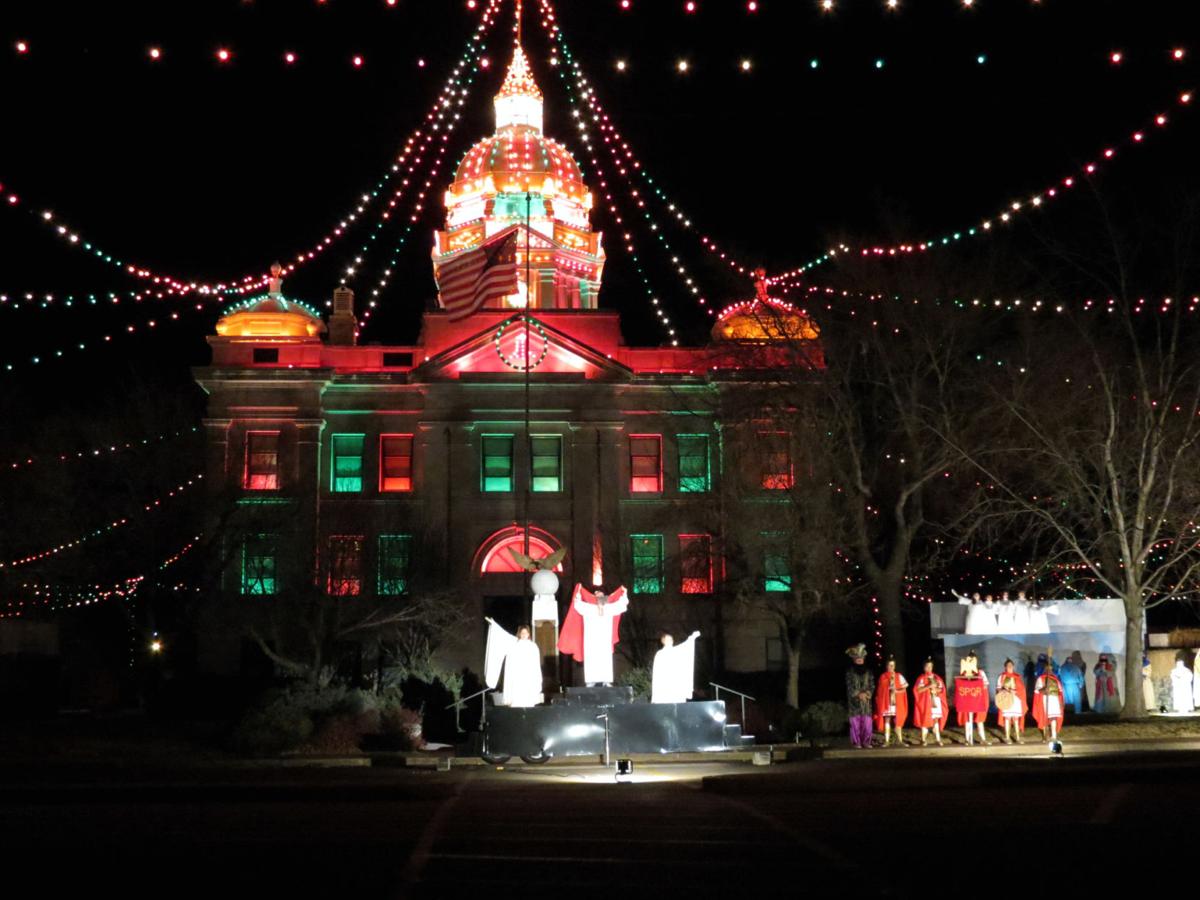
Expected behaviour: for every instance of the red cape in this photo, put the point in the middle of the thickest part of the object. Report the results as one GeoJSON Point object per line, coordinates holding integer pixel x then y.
{"type": "Point", "coordinates": [1019, 690]}
{"type": "Point", "coordinates": [881, 701]}
{"type": "Point", "coordinates": [923, 708]}
{"type": "Point", "coordinates": [570, 639]}
{"type": "Point", "coordinates": [1039, 704]}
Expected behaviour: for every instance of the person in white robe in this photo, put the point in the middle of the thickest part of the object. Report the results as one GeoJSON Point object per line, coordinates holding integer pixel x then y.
{"type": "Point", "coordinates": [1021, 619]}
{"type": "Point", "coordinates": [1006, 615]}
{"type": "Point", "coordinates": [1181, 687]}
{"type": "Point", "coordinates": [598, 636]}
{"type": "Point", "coordinates": [1039, 623]}
{"type": "Point", "coordinates": [521, 660]}
{"type": "Point", "coordinates": [674, 672]}
{"type": "Point", "coordinates": [981, 618]}
{"type": "Point", "coordinates": [1196, 677]}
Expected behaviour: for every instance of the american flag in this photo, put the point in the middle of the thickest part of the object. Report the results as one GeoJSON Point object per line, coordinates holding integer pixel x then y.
{"type": "Point", "coordinates": [488, 272]}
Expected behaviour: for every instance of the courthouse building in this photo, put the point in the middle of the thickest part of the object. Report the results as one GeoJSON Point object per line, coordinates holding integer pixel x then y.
{"type": "Point", "coordinates": [406, 468]}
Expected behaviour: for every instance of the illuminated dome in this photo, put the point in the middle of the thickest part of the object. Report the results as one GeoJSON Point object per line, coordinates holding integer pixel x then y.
{"type": "Point", "coordinates": [517, 175]}
{"type": "Point", "coordinates": [270, 315]}
{"type": "Point", "coordinates": [764, 319]}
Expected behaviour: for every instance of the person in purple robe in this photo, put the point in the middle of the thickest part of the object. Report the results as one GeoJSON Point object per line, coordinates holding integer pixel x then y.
{"type": "Point", "coordinates": [860, 695]}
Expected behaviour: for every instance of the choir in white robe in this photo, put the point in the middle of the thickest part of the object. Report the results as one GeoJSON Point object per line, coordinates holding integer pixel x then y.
{"type": "Point", "coordinates": [981, 616]}
{"type": "Point", "coordinates": [1006, 617]}
{"type": "Point", "coordinates": [1021, 619]}
{"type": "Point", "coordinates": [1181, 687]}
{"type": "Point", "coordinates": [1039, 623]}
{"type": "Point", "coordinates": [522, 663]}
{"type": "Point", "coordinates": [674, 672]}
{"type": "Point", "coordinates": [598, 638]}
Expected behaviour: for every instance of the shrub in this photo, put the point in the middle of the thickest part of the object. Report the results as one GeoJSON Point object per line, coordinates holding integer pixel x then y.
{"type": "Point", "coordinates": [822, 719]}
{"type": "Point", "coordinates": [331, 719]}
{"type": "Point", "coordinates": [638, 678]}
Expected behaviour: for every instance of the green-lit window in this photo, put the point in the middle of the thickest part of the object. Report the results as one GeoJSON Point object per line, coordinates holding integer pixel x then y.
{"type": "Point", "coordinates": [546, 460]}
{"type": "Point", "coordinates": [258, 565]}
{"type": "Point", "coordinates": [694, 472]}
{"type": "Point", "coordinates": [497, 463]}
{"type": "Point", "coordinates": [777, 573]}
{"type": "Point", "coordinates": [647, 563]}
{"type": "Point", "coordinates": [395, 550]}
{"type": "Point", "coordinates": [347, 453]}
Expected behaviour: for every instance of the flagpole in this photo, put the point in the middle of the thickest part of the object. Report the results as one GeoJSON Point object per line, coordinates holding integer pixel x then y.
{"type": "Point", "coordinates": [528, 301]}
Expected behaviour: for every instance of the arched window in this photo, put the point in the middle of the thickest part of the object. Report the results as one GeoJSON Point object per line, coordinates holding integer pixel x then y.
{"type": "Point", "coordinates": [493, 555]}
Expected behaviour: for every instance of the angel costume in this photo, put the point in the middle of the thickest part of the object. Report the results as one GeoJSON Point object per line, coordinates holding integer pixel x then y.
{"type": "Point", "coordinates": [522, 663]}
{"type": "Point", "coordinates": [1181, 687]}
{"type": "Point", "coordinates": [674, 672]}
{"type": "Point", "coordinates": [981, 617]}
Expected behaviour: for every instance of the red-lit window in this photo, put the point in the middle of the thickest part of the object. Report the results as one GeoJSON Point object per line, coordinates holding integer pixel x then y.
{"type": "Point", "coordinates": [345, 562]}
{"type": "Point", "coordinates": [395, 462]}
{"type": "Point", "coordinates": [695, 564]}
{"type": "Point", "coordinates": [777, 474]}
{"type": "Point", "coordinates": [261, 472]}
{"type": "Point", "coordinates": [645, 463]}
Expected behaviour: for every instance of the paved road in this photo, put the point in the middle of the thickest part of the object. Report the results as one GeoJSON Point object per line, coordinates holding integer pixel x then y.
{"type": "Point", "coordinates": [883, 824]}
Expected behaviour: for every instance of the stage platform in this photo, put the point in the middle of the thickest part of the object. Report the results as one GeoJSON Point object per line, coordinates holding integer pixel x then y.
{"type": "Point", "coordinates": [574, 725]}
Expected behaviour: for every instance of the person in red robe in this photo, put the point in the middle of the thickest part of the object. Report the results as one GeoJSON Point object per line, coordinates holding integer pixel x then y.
{"type": "Point", "coordinates": [930, 706]}
{"type": "Point", "coordinates": [1012, 714]}
{"type": "Point", "coordinates": [971, 684]}
{"type": "Point", "coordinates": [891, 703]}
{"type": "Point", "coordinates": [1048, 704]}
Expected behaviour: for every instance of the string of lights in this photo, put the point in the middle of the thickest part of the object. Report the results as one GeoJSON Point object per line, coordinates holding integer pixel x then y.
{"type": "Point", "coordinates": [251, 282]}
{"type": "Point", "coordinates": [59, 596]}
{"type": "Point", "coordinates": [471, 65]}
{"type": "Point", "coordinates": [1016, 207]}
{"type": "Point", "coordinates": [101, 530]}
{"type": "Point", "coordinates": [614, 140]}
{"type": "Point", "coordinates": [627, 237]}
{"type": "Point", "coordinates": [101, 451]}
{"type": "Point", "coordinates": [134, 328]}
{"type": "Point", "coordinates": [1108, 305]}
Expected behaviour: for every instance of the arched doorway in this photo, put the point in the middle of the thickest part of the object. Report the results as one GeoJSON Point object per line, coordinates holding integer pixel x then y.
{"type": "Point", "coordinates": [493, 554]}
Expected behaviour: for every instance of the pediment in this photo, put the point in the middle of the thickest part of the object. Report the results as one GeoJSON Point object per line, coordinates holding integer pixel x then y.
{"type": "Point", "coordinates": [499, 349]}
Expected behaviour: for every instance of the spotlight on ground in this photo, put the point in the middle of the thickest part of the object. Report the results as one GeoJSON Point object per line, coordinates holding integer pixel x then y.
{"type": "Point", "coordinates": [624, 770]}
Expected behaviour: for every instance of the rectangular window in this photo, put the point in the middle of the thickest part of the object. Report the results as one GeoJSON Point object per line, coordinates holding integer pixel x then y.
{"type": "Point", "coordinates": [647, 563]}
{"type": "Point", "coordinates": [777, 573]}
{"type": "Point", "coordinates": [266, 355]}
{"type": "Point", "coordinates": [258, 565]}
{"type": "Point", "coordinates": [777, 460]}
{"type": "Point", "coordinates": [694, 472]}
{"type": "Point", "coordinates": [396, 359]}
{"type": "Point", "coordinates": [347, 453]}
{"type": "Point", "coordinates": [497, 475]}
{"type": "Point", "coordinates": [345, 565]}
{"type": "Point", "coordinates": [645, 463]}
{"type": "Point", "coordinates": [261, 472]}
{"type": "Point", "coordinates": [395, 462]}
{"type": "Point", "coordinates": [695, 564]}
{"type": "Point", "coordinates": [395, 550]}
{"type": "Point", "coordinates": [546, 460]}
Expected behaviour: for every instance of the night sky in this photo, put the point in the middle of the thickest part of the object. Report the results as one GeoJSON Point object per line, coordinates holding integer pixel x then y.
{"type": "Point", "coordinates": [211, 171]}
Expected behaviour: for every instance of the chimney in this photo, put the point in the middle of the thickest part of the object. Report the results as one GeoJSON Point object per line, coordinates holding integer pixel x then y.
{"type": "Point", "coordinates": [343, 327]}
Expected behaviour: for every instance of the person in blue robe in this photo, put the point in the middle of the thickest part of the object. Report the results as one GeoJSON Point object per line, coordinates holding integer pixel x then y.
{"type": "Point", "coordinates": [1073, 679]}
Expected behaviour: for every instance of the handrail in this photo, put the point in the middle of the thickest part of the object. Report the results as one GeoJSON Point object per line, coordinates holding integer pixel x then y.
{"type": "Point", "coordinates": [457, 706]}
{"type": "Point", "coordinates": [745, 697]}
{"type": "Point", "coordinates": [721, 687]}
